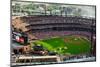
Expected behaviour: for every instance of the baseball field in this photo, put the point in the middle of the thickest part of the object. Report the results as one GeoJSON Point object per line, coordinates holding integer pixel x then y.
{"type": "Point", "coordinates": [72, 44]}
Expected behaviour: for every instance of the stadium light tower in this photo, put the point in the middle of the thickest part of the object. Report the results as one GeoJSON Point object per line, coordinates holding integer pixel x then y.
{"type": "Point", "coordinates": [44, 7]}
{"type": "Point", "coordinates": [92, 37]}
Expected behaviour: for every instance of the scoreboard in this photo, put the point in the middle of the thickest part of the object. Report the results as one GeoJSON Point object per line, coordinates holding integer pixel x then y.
{"type": "Point", "coordinates": [21, 38]}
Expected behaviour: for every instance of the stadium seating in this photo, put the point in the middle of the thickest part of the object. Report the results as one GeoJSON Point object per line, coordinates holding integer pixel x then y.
{"type": "Point", "coordinates": [50, 26]}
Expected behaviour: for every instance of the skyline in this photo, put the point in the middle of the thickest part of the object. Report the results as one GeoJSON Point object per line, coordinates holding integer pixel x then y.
{"type": "Point", "coordinates": [86, 11]}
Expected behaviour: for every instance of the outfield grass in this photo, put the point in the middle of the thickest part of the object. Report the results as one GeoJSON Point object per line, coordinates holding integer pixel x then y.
{"type": "Point", "coordinates": [67, 44]}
